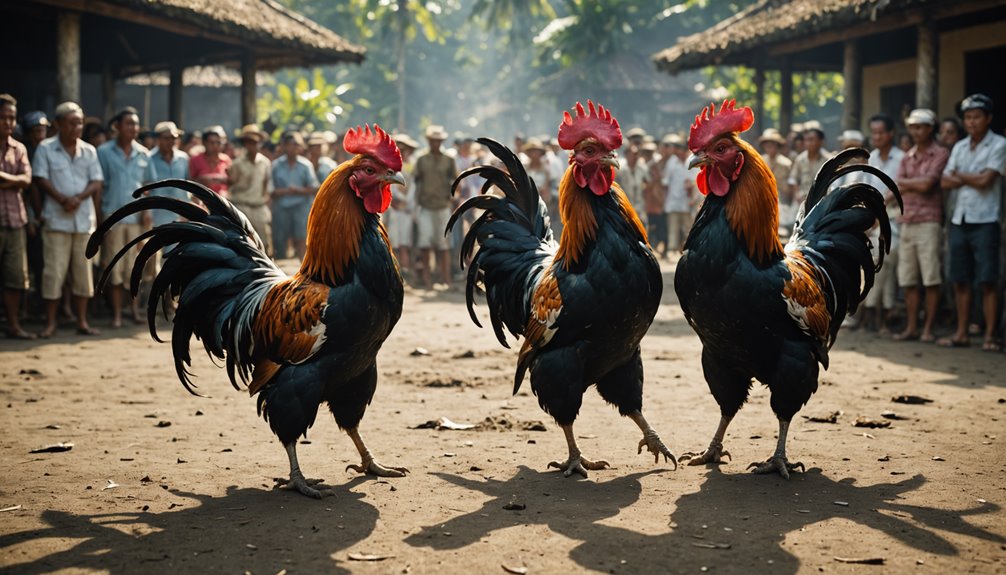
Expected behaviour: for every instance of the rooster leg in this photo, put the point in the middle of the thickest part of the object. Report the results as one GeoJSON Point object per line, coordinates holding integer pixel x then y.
{"type": "Point", "coordinates": [714, 453]}
{"type": "Point", "coordinates": [576, 462]}
{"type": "Point", "coordinates": [778, 461]}
{"type": "Point", "coordinates": [652, 441]}
{"type": "Point", "coordinates": [298, 482]}
{"type": "Point", "coordinates": [370, 466]}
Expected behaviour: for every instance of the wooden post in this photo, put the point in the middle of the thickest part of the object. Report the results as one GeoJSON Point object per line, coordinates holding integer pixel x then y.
{"type": "Point", "coordinates": [927, 73]}
{"type": "Point", "coordinates": [760, 115]}
{"type": "Point", "coordinates": [175, 88]}
{"type": "Point", "coordinates": [248, 112]}
{"type": "Point", "coordinates": [108, 90]}
{"type": "Point", "coordinates": [785, 98]}
{"type": "Point", "coordinates": [852, 72]}
{"type": "Point", "coordinates": [68, 56]}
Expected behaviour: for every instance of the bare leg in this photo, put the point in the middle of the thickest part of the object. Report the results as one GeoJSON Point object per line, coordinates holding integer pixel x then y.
{"type": "Point", "coordinates": [298, 482]}
{"type": "Point", "coordinates": [51, 307]}
{"type": "Point", "coordinates": [576, 462]}
{"type": "Point", "coordinates": [12, 301]}
{"type": "Point", "coordinates": [932, 302]}
{"type": "Point", "coordinates": [778, 461]}
{"type": "Point", "coordinates": [714, 453]}
{"type": "Point", "coordinates": [652, 441]}
{"type": "Point", "coordinates": [444, 262]}
{"type": "Point", "coordinates": [370, 466]}
{"type": "Point", "coordinates": [989, 307]}
{"type": "Point", "coordinates": [80, 302]}
{"type": "Point", "coordinates": [116, 296]}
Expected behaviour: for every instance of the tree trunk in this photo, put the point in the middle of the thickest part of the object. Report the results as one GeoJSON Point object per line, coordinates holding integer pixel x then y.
{"type": "Point", "coordinates": [403, 26]}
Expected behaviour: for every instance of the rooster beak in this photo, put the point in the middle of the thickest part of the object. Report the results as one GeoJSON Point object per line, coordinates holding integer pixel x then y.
{"type": "Point", "coordinates": [611, 160]}
{"type": "Point", "coordinates": [697, 160]}
{"type": "Point", "coordinates": [394, 178]}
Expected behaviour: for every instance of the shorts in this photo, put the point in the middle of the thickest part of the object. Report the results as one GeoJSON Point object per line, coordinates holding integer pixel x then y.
{"type": "Point", "coordinates": [14, 258]}
{"type": "Point", "coordinates": [919, 254]}
{"type": "Point", "coordinates": [885, 284]}
{"type": "Point", "coordinates": [399, 225]}
{"type": "Point", "coordinates": [64, 252]}
{"type": "Point", "coordinates": [117, 237]}
{"type": "Point", "coordinates": [432, 224]}
{"type": "Point", "coordinates": [974, 253]}
{"type": "Point", "coordinates": [260, 217]}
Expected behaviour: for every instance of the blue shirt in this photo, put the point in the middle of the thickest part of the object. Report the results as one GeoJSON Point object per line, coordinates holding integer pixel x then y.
{"type": "Point", "coordinates": [122, 176]}
{"type": "Point", "coordinates": [326, 166]}
{"type": "Point", "coordinates": [70, 176]}
{"type": "Point", "coordinates": [159, 169]}
{"type": "Point", "coordinates": [301, 175]}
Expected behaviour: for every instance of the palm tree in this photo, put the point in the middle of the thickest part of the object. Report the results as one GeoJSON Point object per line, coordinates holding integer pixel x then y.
{"type": "Point", "coordinates": [518, 17]}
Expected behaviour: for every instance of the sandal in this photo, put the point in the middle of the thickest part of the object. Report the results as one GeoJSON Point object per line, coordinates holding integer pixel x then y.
{"type": "Point", "coordinates": [991, 345]}
{"type": "Point", "coordinates": [22, 335]}
{"type": "Point", "coordinates": [87, 331]}
{"type": "Point", "coordinates": [951, 342]}
{"type": "Point", "coordinates": [906, 336]}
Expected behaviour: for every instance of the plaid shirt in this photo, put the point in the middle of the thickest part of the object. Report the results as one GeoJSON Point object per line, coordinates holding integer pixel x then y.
{"type": "Point", "coordinates": [13, 161]}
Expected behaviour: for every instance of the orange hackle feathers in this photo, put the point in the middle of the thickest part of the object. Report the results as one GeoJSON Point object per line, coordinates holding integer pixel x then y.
{"type": "Point", "coordinates": [752, 207]}
{"type": "Point", "coordinates": [334, 228]}
{"type": "Point", "coordinates": [804, 289]}
{"type": "Point", "coordinates": [377, 144]}
{"type": "Point", "coordinates": [597, 123]}
{"type": "Point", "coordinates": [288, 326]}
{"type": "Point", "coordinates": [578, 220]}
{"type": "Point", "coordinates": [710, 123]}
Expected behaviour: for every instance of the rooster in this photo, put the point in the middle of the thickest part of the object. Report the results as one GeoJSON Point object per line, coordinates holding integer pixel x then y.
{"type": "Point", "coordinates": [582, 305]}
{"type": "Point", "coordinates": [762, 310]}
{"type": "Point", "coordinates": [295, 341]}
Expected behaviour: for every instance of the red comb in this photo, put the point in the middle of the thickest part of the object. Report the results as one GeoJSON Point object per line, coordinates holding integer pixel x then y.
{"type": "Point", "coordinates": [711, 123]}
{"type": "Point", "coordinates": [377, 144]}
{"type": "Point", "coordinates": [597, 124]}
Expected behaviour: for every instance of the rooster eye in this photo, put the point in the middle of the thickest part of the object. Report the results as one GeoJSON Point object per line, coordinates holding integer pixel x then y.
{"type": "Point", "coordinates": [720, 149]}
{"type": "Point", "coordinates": [589, 151]}
{"type": "Point", "coordinates": [370, 170]}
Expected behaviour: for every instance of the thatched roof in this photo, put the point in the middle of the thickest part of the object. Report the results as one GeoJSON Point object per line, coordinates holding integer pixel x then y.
{"type": "Point", "coordinates": [741, 37]}
{"type": "Point", "coordinates": [200, 77]}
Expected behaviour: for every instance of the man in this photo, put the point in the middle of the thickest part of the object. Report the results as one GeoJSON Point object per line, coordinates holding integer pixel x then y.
{"type": "Point", "coordinates": [124, 164]}
{"type": "Point", "coordinates": [635, 136]}
{"type": "Point", "coordinates": [921, 223]}
{"type": "Point", "coordinates": [15, 176]}
{"type": "Point", "coordinates": [434, 173]}
{"type": "Point", "coordinates": [35, 129]}
{"type": "Point", "coordinates": [771, 143]}
{"type": "Point", "coordinates": [632, 176]}
{"type": "Point", "coordinates": [677, 205]}
{"type": "Point", "coordinates": [886, 157]}
{"type": "Point", "coordinates": [807, 162]}
{"type": "Point", "coordinates": [67, 171]}
{"type": "Point", "coordinates": [399, 216]}
{"type": "Point", "coordinates": [167, 162]}
{"type": "Point", "coordinates": [317, 154]}
{"type": "Point", "coordinates": [294, 185]}
{"type": "Point", "coordinates": [210, 167]}
{"type": "Point", "coordinates": [251, 184]}
{"type": "Point", "coordinates": [975, 170]}
{"type": "Point", "coordinates": [951, 132]}
{"type": "Point", "coordinates": [655, 196]}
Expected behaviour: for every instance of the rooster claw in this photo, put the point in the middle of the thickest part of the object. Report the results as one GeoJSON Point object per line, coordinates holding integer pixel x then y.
{"type": "Point", "coordinates": [706, 457]}
{"type": "Point", "coordinates": [776, 464]}
{"type": "Point", "coordinates": [651, 441]}
{"type": "Point", "coordinates": [372, 467]}
{"type": "Point", "coordinates": [305, 486]}
{"type": "Point", "coordinates": [579, 465]}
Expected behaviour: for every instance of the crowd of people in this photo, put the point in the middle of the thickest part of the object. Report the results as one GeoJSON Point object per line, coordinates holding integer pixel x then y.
{"type": "Point", "coordinates": [60, 177]}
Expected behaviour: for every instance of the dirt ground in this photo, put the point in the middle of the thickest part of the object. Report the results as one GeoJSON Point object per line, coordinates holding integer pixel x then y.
{"type": "Point", "coordinates": [159, 481]}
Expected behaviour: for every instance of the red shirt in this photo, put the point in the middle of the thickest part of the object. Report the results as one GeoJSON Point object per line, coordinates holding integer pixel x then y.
{"type": "Point", "coordinates": [200, 166]}
{"type": "Point", "coordinates": [14, 161]}
{"type": "Point", "coordinates": [927, 206]}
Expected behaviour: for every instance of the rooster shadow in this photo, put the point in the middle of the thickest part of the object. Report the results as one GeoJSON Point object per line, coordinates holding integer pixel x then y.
{"type": "Point", "coordinates": [735, 522]}
{"type": "Point", "coordinates": [246, 530]}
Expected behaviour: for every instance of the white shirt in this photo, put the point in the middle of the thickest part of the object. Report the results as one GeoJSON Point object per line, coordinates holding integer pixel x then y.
{"type": "Point", "coordinates": [976, 206]}
{"type": "Point", "coordinates": [890, 167]}
{"type": "Point", "coordinates": [70, 176]}
{"type": "Point", "coordinates": [675, 176]}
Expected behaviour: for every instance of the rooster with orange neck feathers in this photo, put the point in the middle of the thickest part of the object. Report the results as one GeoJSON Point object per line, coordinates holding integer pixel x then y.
{"type": "Point", "coordinates": [764, 311]}
{"type": "Point", "coordinates": [295, 341]}
{"type": "Point", "coordinates": [582, 305]}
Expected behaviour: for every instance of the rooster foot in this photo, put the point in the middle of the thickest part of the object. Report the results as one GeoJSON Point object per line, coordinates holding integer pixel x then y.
{"type": "Point", "coordinates": [778, 464]}
{"type": "Point", "coordinates": [298, 483]}
{"type": "Point", "coordinates": [711, 455]}
{"type": "Point", "coordinates": [651, 441]}
{"type": "Point", "coordinates": [372, 467]}
{"type": "Point", "coordinates": [579, 465]}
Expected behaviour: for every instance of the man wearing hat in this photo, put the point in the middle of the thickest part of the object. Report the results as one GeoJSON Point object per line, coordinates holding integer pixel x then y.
{"type": "Point", "coordinates": [808, 162]}
{"type": "Point", "coordinates": [294, 185]}
{"type": "Point", "coordinates": [921, 235]}
{"type": "Point", "coordinates": [771, 143]}
{"type": "Point", "coordinates": [975, 169]}
{"type": "Point", "coordinates": [678, 204]}
{"type": "Point", "coordinates": [167, 162]}
{"type": "Point", "coordinates": [317, 154]}
{"type": "Point", "coordinates": [635, 136]}
{"type": "Point", "coordinates": [435, 172]}
{"type": "Point", "coordinates": [67, 171]}
{"type": "Point", "coordinates": [251, 183]}
{"type": "Point", "coordinates": [399, 218]}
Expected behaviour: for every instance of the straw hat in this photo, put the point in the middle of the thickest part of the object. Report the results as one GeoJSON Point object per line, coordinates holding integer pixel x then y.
{"type": "Point", "coordinates": [772, 135]}
{"type": "Point", "coordinates": [435, 132]}
{"type": "Point", "coordinates": [405, 141]}
{"type": "Point", "coordinates": [316, 139]}
{"type": "Point", "coordinates": [533, 144]}
{"type": "Point", "coordinates": [167, 128]}
{"type": "Point", "coordinates": [673, 140]}
{"type": "Point", "coordinates": [849, 136]}
{"type": "Point", "coordinates": [252, 132]}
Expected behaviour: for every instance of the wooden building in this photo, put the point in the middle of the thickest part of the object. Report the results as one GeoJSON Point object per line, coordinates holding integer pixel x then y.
{"type": "Point", "coordinates": [60, 46]}
{"type": "Point", "coordinates": [894, 54]}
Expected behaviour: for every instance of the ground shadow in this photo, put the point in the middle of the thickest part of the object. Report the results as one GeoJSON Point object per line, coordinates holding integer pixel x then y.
{"type": "Point", "coordinates": [751, 515]}
{"type": "Point", "coordinates": [246, 530]}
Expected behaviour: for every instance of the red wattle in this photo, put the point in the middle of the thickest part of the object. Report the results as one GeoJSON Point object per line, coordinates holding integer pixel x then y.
{"type": "Point", "coordinates": [700, 181]}
{"type": "Point", "coordinates": [718, 183]}
{"type": "Point", "coordinates": [596, 178]}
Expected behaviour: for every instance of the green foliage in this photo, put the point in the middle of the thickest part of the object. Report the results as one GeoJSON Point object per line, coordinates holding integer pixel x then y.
{"type": "Point", "coordinates": [518, 18]}
{"type": "Point", "coordinates": [811, 90]}
{"type": "Point", "coordinates": [308, 105]}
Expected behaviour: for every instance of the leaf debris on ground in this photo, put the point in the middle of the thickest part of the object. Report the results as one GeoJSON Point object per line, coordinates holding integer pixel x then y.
{"type": "Point", "coordinates": [515, 570]}
{"type": "Point", "coordinates": [54, 448]}
{"type": "Point", "coordinates": [369, 557]}
{"type": "Point", "coordinates": [911, 399]}
{"type": "Point", "coordinates": [862, 560]}
{"type": "Point", "coordinates": [863, 421]}
{"type": "Point", "coordinates": [830, 418]}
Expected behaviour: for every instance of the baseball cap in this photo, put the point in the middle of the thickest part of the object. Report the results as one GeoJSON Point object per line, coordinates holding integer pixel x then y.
{"type": "Point", "coordinates": [36, 118]}
{"type": "Point", "coordinates": [977, 102]}
{"type": "Point", "coordinates": [921, 116]}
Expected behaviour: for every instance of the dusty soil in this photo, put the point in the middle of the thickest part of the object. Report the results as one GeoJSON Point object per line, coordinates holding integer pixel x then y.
{"type": "Point", "coordinates": [194, 489]}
